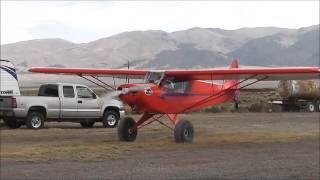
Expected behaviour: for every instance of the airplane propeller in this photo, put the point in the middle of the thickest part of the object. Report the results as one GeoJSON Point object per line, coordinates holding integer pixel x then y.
{"type": "Point", "coordinates": [117, 93]}
{"type": "Point", "coordinates": [133, 89]}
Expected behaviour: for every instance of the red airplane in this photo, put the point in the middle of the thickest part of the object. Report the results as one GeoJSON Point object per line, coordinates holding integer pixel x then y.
{"type": "Point", "coordinates": [170, 92]}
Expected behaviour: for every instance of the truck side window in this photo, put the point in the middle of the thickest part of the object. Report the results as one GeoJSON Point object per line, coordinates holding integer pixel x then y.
{"type": "Point", "coordinates": [68, 92]}
{"type": "Point", "coordinates": [84, 92]}
{"type": "Point", "coordinates": [49, 90]}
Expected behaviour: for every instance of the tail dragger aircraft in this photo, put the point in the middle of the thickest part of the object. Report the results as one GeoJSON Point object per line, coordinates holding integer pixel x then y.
{"type": "Point", "coordinates": [170, 92]}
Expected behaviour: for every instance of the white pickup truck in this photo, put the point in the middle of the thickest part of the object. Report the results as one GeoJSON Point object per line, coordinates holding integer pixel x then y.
{"type": "Point", "coordinates": [57, 102]}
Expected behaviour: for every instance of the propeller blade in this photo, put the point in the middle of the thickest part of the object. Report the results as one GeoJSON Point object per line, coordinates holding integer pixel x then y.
{"type": "Point", "coordinates": [112, 94]}
{"type": "Point", "coordinates": [134, 89]}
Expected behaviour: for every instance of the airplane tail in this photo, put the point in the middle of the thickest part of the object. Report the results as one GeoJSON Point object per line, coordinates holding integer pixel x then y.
{"type": "Point", "coordinates": [232, 84]}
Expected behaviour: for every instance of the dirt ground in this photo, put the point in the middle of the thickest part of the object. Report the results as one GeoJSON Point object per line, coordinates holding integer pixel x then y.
{"type": "Point", "coordinates": [226, 146]}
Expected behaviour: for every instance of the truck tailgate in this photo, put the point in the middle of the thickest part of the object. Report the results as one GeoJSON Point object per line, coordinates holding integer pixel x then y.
{"type": "Point", "coordinates": [5, 107]}
{"type": "Point", "coordinates": [5, 103]}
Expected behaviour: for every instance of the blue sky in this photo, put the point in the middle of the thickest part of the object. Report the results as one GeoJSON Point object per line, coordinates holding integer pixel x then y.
{"type": "Point", "coordinates": [82, 21]}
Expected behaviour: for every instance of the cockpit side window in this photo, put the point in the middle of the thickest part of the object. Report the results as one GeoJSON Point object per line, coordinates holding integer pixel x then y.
{"type": "Point", "coordinates": [174, 85]}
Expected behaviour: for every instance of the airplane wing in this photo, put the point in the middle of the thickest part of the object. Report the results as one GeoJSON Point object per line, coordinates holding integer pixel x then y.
{"type": "Point", "coordinates": [116, 73]}
{"type": "Point", "coordinates": [266, 74]}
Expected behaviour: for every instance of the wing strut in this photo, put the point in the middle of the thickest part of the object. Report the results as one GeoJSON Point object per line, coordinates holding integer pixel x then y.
{"type": "Point", "coordinates": [102, 84]}
{"type": "Point", "coordinates": [222, 93]}
{"type": "Point", "coordinates": [144, 120]}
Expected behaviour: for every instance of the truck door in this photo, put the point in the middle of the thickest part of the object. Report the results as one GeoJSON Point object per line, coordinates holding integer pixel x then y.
{"type": "Point", "coordinates": [87, 101]}
{"type": "Point", "coordinates": [51, 92]}
{"type": "Point", "coordinates": [68, 102]}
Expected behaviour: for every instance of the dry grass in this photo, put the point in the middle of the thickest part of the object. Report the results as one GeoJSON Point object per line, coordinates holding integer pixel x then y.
{"type": "Point", "coordinates": [68, 141]}
{"type": "Point", "coordinates": [101, 150]}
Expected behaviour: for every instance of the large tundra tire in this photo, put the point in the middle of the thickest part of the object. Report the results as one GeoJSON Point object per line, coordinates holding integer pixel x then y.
{"type": "Point", "coordinates": [35, 120]}
{"type": "Point", "coordinates": [87, 123]}
{"type": "Point", "coordinates": [126, 132]}
{"type": "Point", "coordinates": [110, 119]}
{"type": "Point", "coordinates": [12, 123]}
{"type": "Point", "coordinates": [183, 132]}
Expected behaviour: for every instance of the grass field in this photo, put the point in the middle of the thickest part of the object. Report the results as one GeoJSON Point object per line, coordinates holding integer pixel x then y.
{"type": "Point", "coordinates": [70, 141]}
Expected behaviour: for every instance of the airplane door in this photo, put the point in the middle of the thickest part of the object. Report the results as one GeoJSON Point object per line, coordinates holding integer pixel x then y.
{"type": "Point", "coordinates": [68, 102]}
{"type": "Point", "coordinates": [87, 101]}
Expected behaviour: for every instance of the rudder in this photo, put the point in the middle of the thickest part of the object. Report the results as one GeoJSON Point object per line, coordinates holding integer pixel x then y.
{"type": "Point", "coordinates": [232, 84]}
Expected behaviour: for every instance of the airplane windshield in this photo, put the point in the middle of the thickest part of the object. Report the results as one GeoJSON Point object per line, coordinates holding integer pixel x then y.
{"type": "Point", "coordinates": [154, 77]}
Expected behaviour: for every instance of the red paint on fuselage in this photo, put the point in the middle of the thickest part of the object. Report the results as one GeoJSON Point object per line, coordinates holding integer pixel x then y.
{"type": "Point", "coordinates": [192, 95]}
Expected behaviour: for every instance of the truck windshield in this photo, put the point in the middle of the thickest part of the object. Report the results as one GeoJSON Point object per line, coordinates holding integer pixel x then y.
{"type": "Point", "coordinates": [50, 90]}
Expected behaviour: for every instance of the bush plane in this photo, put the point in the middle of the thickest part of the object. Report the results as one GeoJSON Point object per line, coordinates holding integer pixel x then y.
{"type": "Point", "coordinates": [170, 92]}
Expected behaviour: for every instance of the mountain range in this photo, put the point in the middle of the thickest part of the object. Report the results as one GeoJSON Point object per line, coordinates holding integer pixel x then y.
{"type": "Point", "coordinates": [191, 48]}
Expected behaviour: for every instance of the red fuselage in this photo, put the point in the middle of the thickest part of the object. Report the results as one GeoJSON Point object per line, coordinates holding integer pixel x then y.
{"type": "Point", "coordinates": [176, 98]}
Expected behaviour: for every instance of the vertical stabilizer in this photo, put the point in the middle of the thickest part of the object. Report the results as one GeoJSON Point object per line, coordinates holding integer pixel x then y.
{"type": "Point", "coordinates": [232, 84]}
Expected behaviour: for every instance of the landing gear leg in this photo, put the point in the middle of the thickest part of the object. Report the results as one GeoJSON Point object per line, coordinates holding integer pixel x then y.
{"type": "Point", "coordinates": [128, 127]}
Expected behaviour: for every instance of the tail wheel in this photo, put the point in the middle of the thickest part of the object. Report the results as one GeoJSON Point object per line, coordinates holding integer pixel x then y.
{"type": "Point", "coordinates": [87, 123]}
{"type": "Point", "coordinates": [12, 123]}
{"type": "Point", "coordinates": [35, 120]}
{"type": "Point", "coordinates": [311, 107]}
{"type": "Point", "coordinates": [110, 119]}
{"type": "Point", "coordinates": [183, 131]}
{"type": "Point", "coordinates": [126, 132]}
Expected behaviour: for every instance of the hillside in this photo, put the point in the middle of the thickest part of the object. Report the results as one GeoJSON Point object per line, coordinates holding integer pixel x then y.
{"type": "Point", "coordinates": [191, 48]}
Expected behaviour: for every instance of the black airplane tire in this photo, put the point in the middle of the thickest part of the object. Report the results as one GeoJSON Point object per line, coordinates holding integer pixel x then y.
{"type": "Point", "coordinates": [183, 132]}
{"type": "Point", "coordinates": [126, 131]}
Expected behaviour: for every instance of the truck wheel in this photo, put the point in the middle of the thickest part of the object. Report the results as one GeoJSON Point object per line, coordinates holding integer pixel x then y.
{"type": "Point", "coordinates": [87, 123]}
{"type": "Point", "coordinates": [183, 132]}
{"type": "Point", "coordinates": [126, 131]}
{"type": "Point", "coordinates": [35, 120]}
{"type": "Point", "coordinates": [12, 123]}
{"type": "Point", "coordinates": [311, 107]}
{"type": "Point", "coordinates": [110, 119]}
{"type": "Point", "coordinates": [318, 106]}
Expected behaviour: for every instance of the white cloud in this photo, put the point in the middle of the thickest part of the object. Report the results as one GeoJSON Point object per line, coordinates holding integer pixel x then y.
{"type": "Point", "coordinates": [19, 20]}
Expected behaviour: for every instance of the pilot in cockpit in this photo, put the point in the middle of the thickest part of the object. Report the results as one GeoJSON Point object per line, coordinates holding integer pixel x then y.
{"type": "Point", "coordinates": [168, 84]}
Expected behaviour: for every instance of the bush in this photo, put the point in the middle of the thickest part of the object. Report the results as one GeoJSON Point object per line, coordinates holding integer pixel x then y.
{"type": "Point", "coordinates": [212, 109]}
